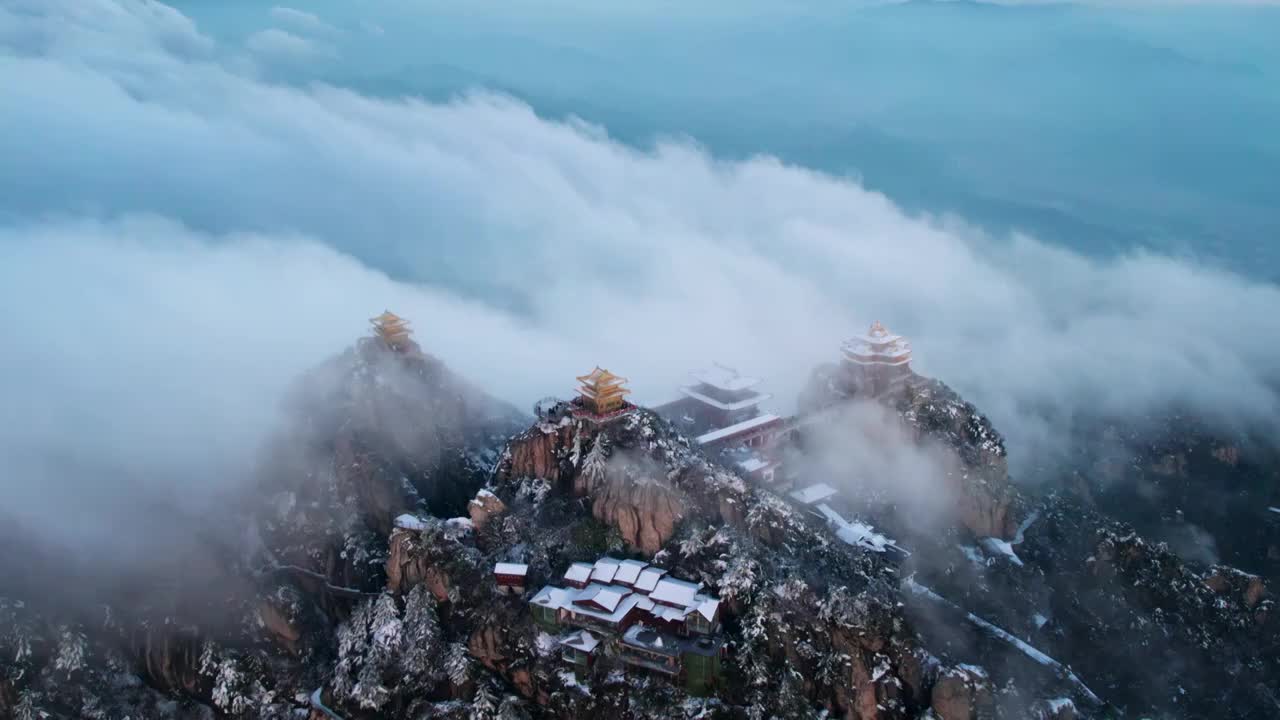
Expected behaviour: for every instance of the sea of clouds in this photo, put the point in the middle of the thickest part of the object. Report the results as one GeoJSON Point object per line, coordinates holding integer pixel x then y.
{"type": "Point", "coordinates": [180, 236]}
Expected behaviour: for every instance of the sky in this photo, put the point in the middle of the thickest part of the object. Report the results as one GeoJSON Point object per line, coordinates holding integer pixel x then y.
{"type": "Point", "coordinates": [200, 201]}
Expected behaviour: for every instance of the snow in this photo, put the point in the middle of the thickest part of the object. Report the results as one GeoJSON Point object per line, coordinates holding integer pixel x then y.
{"type": "Point", "coordinates": [1274, 509]}
{"type": "Point", "coordinates": [856, 533]}
{"type": "Point", "coordinates": [708, 607]}
{"type": "Point", "coordinates": [629, 571]}
{"type": "Point", "coordinates": [1021, 645]}
{"type": "Point", "coordinates": [675, 592]}
{"type": "Point", "coordinates": [669, 614]}
{"type": "Point", "coordinates": [751, 465]}
{"type": "Point", "coordinates": [1039, 620]}
{"type": "Point", "coordinates": [996, 546]}
{"type": "Point", "coordinates": [545, 643]}
{"type": "Point", "coordinates": [1019, 536]}
{"type": "Point", "coordinates": [503, 568]}
{"type": "Point", "coordinates": [863, 536]}
{"type": "Point", "coordinates": [485, 494]}
{"type": "Point", "coordinates": [627, 603]}
{"type": "Point", "coordinates": [578, 573]}
{"type": "Point", "coordinates": [742, 427]}
{"type": "Point", "coordinates": [972, 553]}
{"type": "Point", "coordinates": [553, 597]}
{"type": "Point", "coordinates": [1057, 705]}
{"type": "Point", "coordinates": [604, 570]}
{"type": "Point", "coordinates": [570, 681]}
{"type": "Point", "coordinates": [814, 493]}
{"type": "Point", "coordinates": [410, 522]}
{"type": "Point", "coordinates": [461, 522]}
{"type": "Point", "coordinates": [755, 399]}
{"type": "Point", "coordinates": [646, 637]}
{"type": "Point", "coordinates": [723, 377]}
{"type": "Point", "coordinates": [606, 596]}
{"type": "Point", "coordinates": [649, 578]}
{"type": "Point", "coordinates": [580, 640]}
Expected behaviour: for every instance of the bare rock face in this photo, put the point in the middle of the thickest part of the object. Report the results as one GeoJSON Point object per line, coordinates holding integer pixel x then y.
{"type": "Point", "coordinates": [981, 481]}
{"type": "Point", "coordinates": [645, 513]}
{"type": "Point", "coordinates": [1240, 586]}
{"type": "Point", "coordinates": [540, 452]}
{"type": "Point", "coordinates": [169, 657]}
{"type": "Point", "coordinates": [976, 469]}
{"type": "Point", "coordinates": [432, 556]}
{"type": "Point", "coordinates": [624, 467]}
{"type": "Point", "coordinates": [275, 619]}
{"type": "Point", "coordinates": [484, 506]}
{"type": "Point", "coordinates": [963, 693]}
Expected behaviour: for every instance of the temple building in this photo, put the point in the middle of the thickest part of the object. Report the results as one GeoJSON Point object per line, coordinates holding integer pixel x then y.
{"type": "Point", "coordinates": [393, 330]}
{"type": "Point", "coordinates": [602, 395]}
{"type": "Point", "coordinates": [876, 362]}
{"type": "Point", "coordinates": [510, 577]}
{"type": "Point", "coordinates": [722, 397]}
{"type": "Point", "coordinates": [650, 620]}
{"type": "Point", "coordinates": [720, 408]}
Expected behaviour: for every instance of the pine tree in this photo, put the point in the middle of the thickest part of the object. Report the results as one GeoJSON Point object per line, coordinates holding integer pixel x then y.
{"type": "Point", "coordinates": [458, 664]}
{"type": "Point", "coordinates": [421, 646]}
{"type": "Point", "coordinates": [27, 709]}
{"type": "Point", "coordinates": [485, 704]}
{"type": "Point", "coordinates": [385, 632]}
{"type": "Point", "coordinates": [511, 709]}
{"type": "Point", "coordinates": [353, 644]}
{"type": "Point", "coordinates": [595, 467]}
{"type": "Point", "coordinates": [71, 651]}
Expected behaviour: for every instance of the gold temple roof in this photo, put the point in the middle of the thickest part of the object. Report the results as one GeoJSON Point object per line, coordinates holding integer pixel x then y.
{"type": "Point", "coordinates": [601, 379]}
{"type": "Point", "coordinates": [393, 329]}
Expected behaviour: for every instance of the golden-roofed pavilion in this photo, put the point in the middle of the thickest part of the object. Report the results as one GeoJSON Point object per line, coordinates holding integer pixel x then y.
{"type": "Point", "coordinates": [601, 391]}
{"type": "Point", "coordinates": [393, 329]}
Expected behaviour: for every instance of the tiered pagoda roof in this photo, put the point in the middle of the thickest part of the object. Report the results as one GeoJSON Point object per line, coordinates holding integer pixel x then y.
{"type": "Point", "coordinates": [602, 392]}
{"type": "Point", "coordinates": [877, 347]}
{"type": "Point", "coordinates": [723, 388]}
{"type": "Point", "coordinates": [393, 329]}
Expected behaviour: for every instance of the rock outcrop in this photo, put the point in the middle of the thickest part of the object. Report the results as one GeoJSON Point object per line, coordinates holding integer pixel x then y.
{"type": "Point", "coordinates": [484, 506]}
{"type": "Point", "coordinates": [963, 693]}
{"type": "Point", "coordinates": [973, 462]}
{"type": "Point", "coordinates": [639, 475]}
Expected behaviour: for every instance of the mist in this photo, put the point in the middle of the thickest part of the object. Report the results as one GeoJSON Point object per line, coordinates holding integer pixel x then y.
{"type": "Point", "coordinates": [171, 259]}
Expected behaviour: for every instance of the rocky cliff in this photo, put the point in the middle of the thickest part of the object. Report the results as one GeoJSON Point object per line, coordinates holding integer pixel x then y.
{"type": "Point", "coordinates": [640, 476]}
{"type": "Point", "coordinates": [973, 460]}
{"type": "Point", "coordinates": [364, 589]}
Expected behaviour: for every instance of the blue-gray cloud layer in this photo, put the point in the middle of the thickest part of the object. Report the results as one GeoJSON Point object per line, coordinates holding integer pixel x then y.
{"type": "Point", "coordinates": [182, 235]}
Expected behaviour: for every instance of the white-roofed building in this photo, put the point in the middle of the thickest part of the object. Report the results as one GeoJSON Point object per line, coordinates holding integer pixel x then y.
{"type": "Point", "coordinates": [648, 579]}
{"type": "Point", "coordinates": [578, 649]}
{"type": "Point", "coordinates": [721, 411]}
{"type": "Point", "coordinates": [628, 572]}
{"type": "Point", "coordinates": [723, 395]}
{"type": "Point", "coordinates": [635, 594]}
{"type": "Point", "coordinates": [675, 593]}
{"type": "Point", "coordinates": [815, 493]}
{"type": "Point", "coordinates": [578, 574]}
{"type": "Point", "coordinates": [510, 577]}
{"type": "Point", "coordinates": [604, 598]}
{"type": "Point", "coordinates": [604, 570]}
{"type": "Point", "coordinates": [877, 361]}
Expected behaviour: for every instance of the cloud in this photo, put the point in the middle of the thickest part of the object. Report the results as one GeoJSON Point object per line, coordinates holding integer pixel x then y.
{"type": "Point", "coordinates": [185, 248]}
{"type": "Point", "coordinates": [301, 20]}
{"type": "Point", "coordinates": [279, 45]}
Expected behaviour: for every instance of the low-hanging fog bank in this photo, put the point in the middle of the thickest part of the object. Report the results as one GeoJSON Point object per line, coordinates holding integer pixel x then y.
{"type": "Point", "coordinates": [180, 238]}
